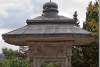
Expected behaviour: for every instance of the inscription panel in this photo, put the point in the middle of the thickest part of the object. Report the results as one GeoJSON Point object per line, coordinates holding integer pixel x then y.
{"type": "Point", "coordinates": [49, 50]}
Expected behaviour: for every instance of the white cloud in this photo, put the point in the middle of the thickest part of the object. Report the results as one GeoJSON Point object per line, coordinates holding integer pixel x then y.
{"type": "Point", "coordinates": [3, 13]}
{"type": "Point", "coordinates": [18, 5]}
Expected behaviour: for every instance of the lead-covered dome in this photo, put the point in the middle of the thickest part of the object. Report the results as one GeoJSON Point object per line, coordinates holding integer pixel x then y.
{"type": "Point", "coordinates": [50, 7]}
{"type": "Point", "coordinates": [50, 4]}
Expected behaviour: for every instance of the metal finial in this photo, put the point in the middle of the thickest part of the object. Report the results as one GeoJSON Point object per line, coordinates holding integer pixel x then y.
{"type": "Point", "coordinates": [50, 1]}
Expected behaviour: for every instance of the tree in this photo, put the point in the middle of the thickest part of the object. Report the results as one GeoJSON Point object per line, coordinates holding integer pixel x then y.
{"type": "Point", "coordinates": [91, 52]}
{"type": "Point", "coordinates": [12, 59]}
{"type": "Point", "coordinates": [88, 56]}
{"type": "Point", "coordinates": [92, 18]}
{"type": "Point", "coordinates": [9, 53]}
{"type": "Point", "coordinates": [76, 18]}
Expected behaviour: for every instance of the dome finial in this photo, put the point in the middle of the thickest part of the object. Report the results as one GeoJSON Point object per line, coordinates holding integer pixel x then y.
{"type": "Point", "coordinates": [50, 1]}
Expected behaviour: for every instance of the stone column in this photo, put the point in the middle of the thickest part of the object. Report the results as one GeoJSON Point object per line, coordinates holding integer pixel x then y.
{"type": "Point", "coordinates": [30, 55]}
{"type": "Point", "coordinates": [68, 55]}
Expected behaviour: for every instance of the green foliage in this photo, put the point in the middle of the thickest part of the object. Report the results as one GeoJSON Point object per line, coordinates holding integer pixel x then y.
{"type": "Point", "coordinates": [88, 56]}
{"type": "Point", "coordinates": [77, 57]}
{"type": "Point", "coordinates": [13, 59]}
{"type": "Point", "coordinates": [15, 62]}
{"type": "Point", "coordinates": [50, 65]}
{"type": "Point", "coordinates": [9, 53]}
{"type": "Point", "coordinates": [85, 56]}
{"type": "Point", "coordinates": [91, 55]}
{"type": "Point", "coordinates": [92, 17]}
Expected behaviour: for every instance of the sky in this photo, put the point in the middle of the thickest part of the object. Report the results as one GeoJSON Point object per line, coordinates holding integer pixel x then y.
{"type": "Point", "coordinates": [14, 13]}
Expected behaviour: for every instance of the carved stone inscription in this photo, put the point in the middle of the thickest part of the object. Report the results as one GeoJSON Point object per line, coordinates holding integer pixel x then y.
{"type": "Point", "coordinates": [49, 50]}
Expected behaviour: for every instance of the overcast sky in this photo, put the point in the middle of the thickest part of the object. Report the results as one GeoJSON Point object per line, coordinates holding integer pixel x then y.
{"type": "Point", "coordinates": [14, 13]}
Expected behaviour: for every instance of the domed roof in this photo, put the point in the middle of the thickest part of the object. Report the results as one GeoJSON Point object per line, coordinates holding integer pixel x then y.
{"type": "Point", "coordinates": [50, 4]}
{"type": "Point", "coordinates": [50, 15]}
{"type": "Point", "coordinates": [50, 7]}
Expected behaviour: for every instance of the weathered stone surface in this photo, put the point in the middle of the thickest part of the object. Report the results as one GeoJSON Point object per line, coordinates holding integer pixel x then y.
{"type": "Point", "coordinates": [57, 54]}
